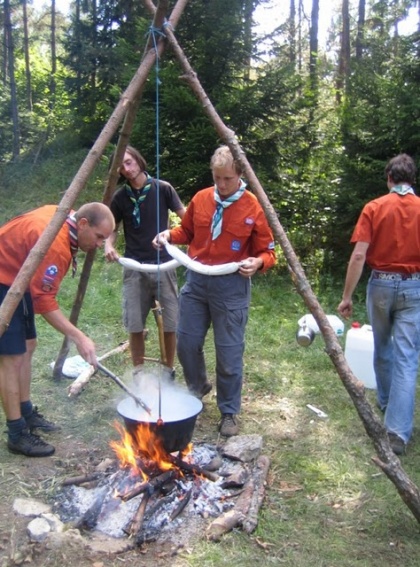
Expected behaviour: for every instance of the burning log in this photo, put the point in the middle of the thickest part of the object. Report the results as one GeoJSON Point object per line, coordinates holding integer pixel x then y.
{"type": "Point", "coordinates": [195, 469]}
{"type": "Point", "coordinates": [149, 485]}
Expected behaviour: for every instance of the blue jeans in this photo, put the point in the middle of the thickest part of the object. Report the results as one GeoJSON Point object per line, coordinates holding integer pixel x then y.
{"type": "Point", "coordinates": [222, 301]}
{"type": "Point", "coordinates": [394, 312]}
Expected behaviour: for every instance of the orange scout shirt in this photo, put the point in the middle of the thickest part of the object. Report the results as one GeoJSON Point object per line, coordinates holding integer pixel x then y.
{"type": "Point", "coordinates": [245, 231]}
{"type": "Point", "coordinates": [391, 224]}
{"type": "Point", "coordinates": [17, 238]}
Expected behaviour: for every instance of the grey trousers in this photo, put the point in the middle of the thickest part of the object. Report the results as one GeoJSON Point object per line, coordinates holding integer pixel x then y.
{"type": "Point", "coordinates": [223, 302]}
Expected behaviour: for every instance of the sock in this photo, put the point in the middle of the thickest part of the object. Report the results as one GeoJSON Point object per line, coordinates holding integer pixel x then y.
{"type": "Point", "coordinates": [15, 428]}
{"type": "Point", "coordinates": [26, 408]}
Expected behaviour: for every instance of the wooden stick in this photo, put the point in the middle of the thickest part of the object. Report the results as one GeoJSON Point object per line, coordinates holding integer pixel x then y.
{"type": "Point", "coordinates": [137, 521]}
{"type": "Point", "coordinates": [150, 485]}
{"type": "Point", "coordinates": [77, 480]}
{"type": "Point", "coordinates": [181, 505]}
{"type": "Point", "coordinates": [259, 475]}
{"type": "Point", "coordinates": [77, 386]}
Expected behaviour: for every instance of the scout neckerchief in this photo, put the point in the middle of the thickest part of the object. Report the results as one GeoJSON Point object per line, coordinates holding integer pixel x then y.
{"type": "Point", "coordinates": [74, 244]}
{"type": "Point", "coordinates": [137, 201]}
{"type": "Point", "coordinates": [402, 189]}
{"type": "Point", "coordinates": [216, 226]}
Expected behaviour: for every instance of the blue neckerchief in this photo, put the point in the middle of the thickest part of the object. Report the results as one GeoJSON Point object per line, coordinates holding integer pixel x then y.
{"type": "Point", "coordinates": [216, 225]}
{"type": "Point", "coordinates": [137, 201]}
{"type": "Point", "coordinates": [402, 189]}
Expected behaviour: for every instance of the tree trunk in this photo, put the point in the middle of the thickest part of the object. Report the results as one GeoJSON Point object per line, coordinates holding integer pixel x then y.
{"type": "Point", "coordinates": [34, 258]}
{"type": "Point", "coordinates": [12, 81]}
{"type": "Point", "coordinates": [292, 32]}
{"type": "Point", "coordinates": [53, 56]}
{"type": "Point", "coordinates": [313, 49]}
{"type": "Point", "coordinates": [344, 60]}
{"type": "Point", "coordinates": [26, 50]}
{"type": "Point", "coordinates": [360, 29]}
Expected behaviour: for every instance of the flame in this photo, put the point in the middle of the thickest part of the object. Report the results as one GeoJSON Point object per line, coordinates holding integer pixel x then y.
{"type": "Point", "coordinates": [140, 449]}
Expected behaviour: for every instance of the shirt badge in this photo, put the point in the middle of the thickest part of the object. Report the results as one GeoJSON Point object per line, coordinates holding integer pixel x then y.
{"type": "Point", "coordinates": [249, 220]}
{"type": "Point", "coordinates": [49, 276]}
{"type": "Point", "coordinates": [235, 246]}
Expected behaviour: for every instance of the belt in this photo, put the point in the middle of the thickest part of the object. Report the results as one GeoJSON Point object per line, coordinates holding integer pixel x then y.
{"type": "Point", "coordinates": [394, 276]}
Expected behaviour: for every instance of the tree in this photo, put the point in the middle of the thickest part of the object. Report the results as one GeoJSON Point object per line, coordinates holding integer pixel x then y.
{"type": "Point", "coordinates": [11, 74]}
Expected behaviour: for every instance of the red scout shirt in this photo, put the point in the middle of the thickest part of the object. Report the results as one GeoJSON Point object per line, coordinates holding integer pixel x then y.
{"type": "Point", "coordinates": [245, 231]}
{"type": "Point", "coordinates": [17, 238]}
{"type": "Point", "coordinates": [391, 225]}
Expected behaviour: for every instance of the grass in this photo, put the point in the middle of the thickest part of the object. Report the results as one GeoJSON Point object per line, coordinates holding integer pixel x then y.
{"type": "Point", "coordinates": [326, 503]}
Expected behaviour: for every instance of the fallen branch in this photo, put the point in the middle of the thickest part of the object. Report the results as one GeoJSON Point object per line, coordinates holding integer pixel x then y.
{"type": "Point", "coordinates": [77, 386]}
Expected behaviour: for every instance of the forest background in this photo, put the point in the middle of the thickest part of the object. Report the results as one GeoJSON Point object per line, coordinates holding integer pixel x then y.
{"type": "Point", "coordinates": [317, 117]}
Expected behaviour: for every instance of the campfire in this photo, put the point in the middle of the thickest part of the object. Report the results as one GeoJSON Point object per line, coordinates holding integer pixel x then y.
{"type": "Point", "coordinates": [147, 494]}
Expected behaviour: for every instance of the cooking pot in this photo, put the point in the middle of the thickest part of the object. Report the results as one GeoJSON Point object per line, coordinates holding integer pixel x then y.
{"type": "Point", "coordinates": [178, 411]}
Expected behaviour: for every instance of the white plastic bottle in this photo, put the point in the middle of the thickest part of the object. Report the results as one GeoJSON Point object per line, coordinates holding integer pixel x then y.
{"type": "Point", "coordinates": [359, 353]}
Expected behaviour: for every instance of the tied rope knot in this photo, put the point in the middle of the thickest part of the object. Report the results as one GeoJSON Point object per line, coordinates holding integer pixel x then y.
{"type": "Point", "coordinates": [221, 205]}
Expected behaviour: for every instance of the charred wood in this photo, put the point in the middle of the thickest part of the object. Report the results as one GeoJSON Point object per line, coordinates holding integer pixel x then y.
{"type": "Point", "coordinates": [150, 485]}
{"type": "Point", "coordinates": [259, 476]}
{"type": "Point", "coordinates": [195, 469]}
{"type": "Point", "coordinates": [182, 504]}
{"type": "Point", "coordinates": [137, 522]}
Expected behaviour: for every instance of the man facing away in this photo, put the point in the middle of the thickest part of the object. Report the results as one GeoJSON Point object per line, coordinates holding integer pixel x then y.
{"type": "Point", "coordinates": [142, 204]}
{"type": "Point", "coordinates": [86, 229]}
{"type": "Point", "coordinates": [387, 238]}
{"type": "Point", "coordinates": [223, 223]}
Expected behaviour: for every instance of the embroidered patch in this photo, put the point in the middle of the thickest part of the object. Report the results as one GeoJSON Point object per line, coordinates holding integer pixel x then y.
{"type": "Point", "coordinates": [235, 246]}
{"type": "Point", "coordinates": [249, 220]}
{"type": "Point", "coordinates": [271, 246]}
{"type": "Point", "coordinates": [49, 277]}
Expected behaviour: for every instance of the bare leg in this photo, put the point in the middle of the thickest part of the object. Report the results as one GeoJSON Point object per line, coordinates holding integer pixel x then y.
{"type": "Point", "coordinates": [136, 341]}
{"type": "Point", "coordinates": [26, 371]}
{"type": "Point", "coordinates": [10, 388]}
{"type": "Point", "coordinates": [170, 345]}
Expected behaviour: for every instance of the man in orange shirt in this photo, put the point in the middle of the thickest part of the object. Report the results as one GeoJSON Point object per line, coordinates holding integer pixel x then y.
{"type": "Point", "coordinates": [223, 223]}
{"type": "Point", "coordinates": [85, 229]}
{"type": "Point", "coordinates": [387, 238]}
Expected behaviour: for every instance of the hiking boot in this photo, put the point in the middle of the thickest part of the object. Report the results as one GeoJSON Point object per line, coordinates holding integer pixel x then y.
{"type": "Point", "coordinates": [37, 421]}
{"type": "Point", "coordinates": [228, 425]}
{"type": "Point", "coordinates": [30, 445]}
{"type": "Point", "coordinates": [397, 444]}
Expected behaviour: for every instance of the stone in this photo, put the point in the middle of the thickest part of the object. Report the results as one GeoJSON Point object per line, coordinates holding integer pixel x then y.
{"type": "Point", "coordinates": [30, 507]}
{"type": "Point", "coordinates": [245, 448]}
{"type": "Point", "coordinates": [38, 529]}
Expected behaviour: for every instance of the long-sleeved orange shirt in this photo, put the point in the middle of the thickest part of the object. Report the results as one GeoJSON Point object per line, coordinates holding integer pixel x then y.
{"type": "Point", "coordinates": [17, 238]}
{"type": "Point", "coordinates": [245, 231]}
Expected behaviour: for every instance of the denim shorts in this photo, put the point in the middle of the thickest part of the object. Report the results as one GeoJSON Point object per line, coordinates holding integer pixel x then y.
{"type": "Point", "coordinates": [21, 327]}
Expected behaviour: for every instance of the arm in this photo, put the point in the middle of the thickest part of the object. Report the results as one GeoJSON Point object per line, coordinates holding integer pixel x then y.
{"type": "Point", "coordinates": [85, 346]}
{"type": "Point", "coordinates": [110, 252]}
{"type": "Point", "coordinates": [354, 271]}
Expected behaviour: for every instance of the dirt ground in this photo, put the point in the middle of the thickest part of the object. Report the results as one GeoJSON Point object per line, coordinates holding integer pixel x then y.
{"type": "Point", "coordinates": [40, 478]}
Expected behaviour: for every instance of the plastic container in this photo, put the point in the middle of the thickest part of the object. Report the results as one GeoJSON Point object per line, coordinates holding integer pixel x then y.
{"type": "Point", "coordinates": [335, 322]}
{"type": "Point", "coordinates": [359, 354]}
